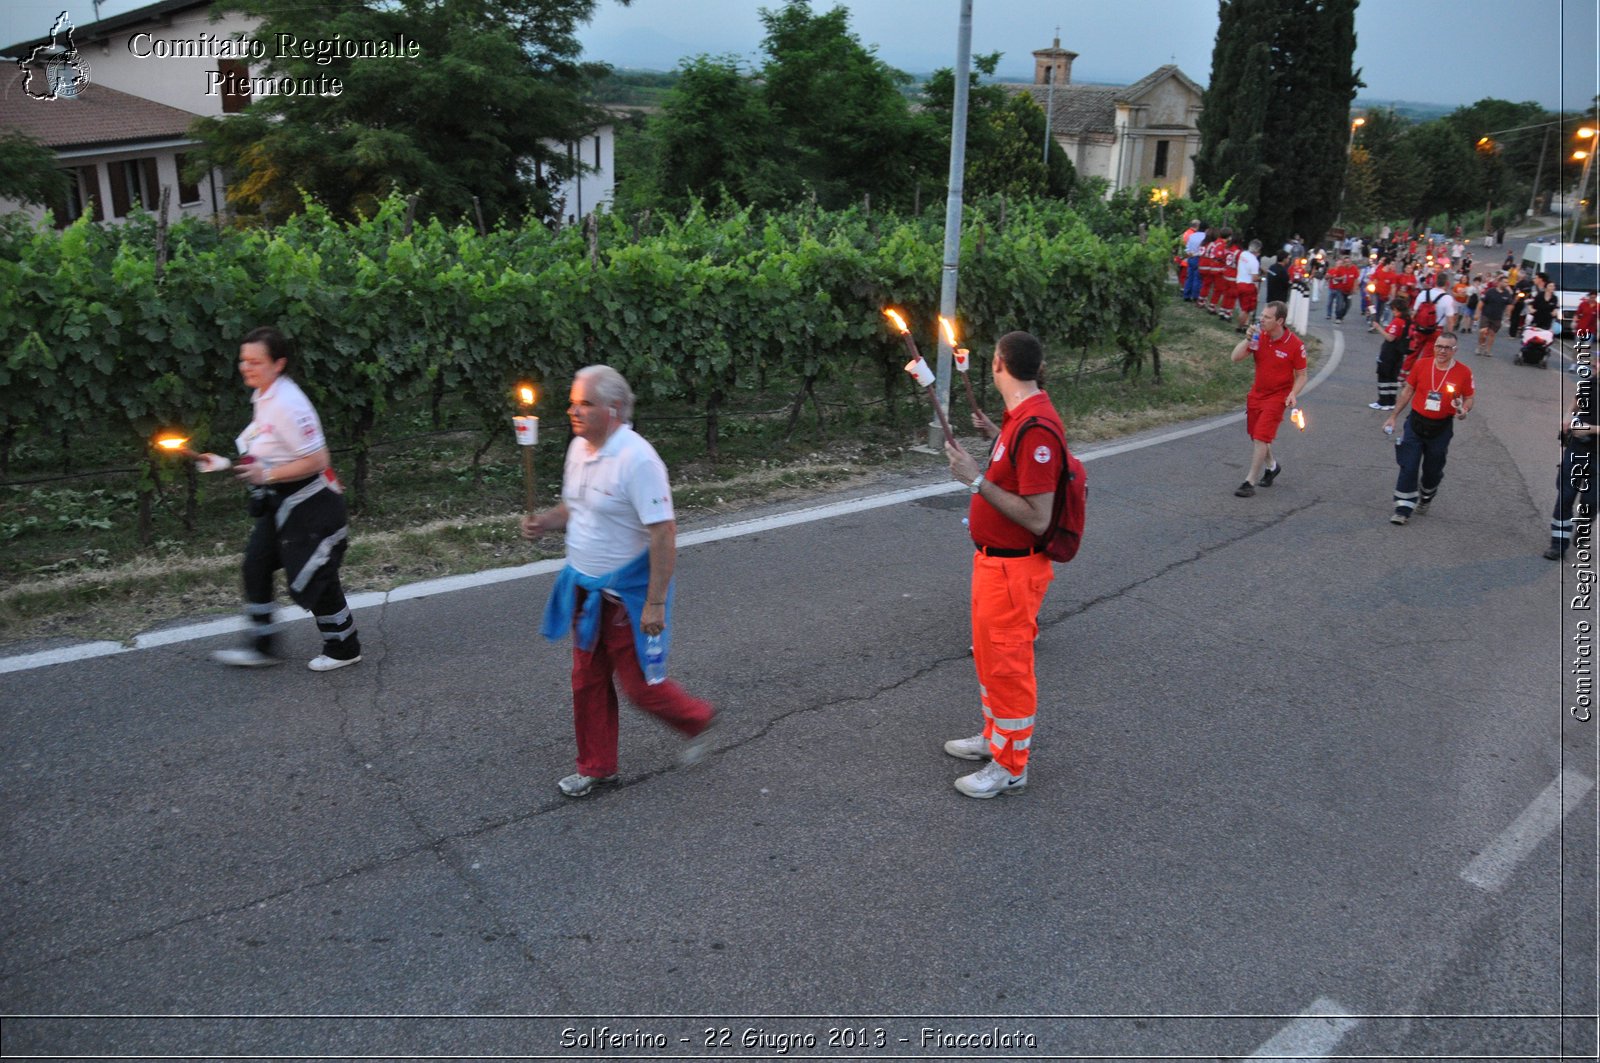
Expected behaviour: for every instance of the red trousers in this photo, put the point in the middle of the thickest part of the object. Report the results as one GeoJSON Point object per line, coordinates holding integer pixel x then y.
{"type": "Point", "coordinates": [594, 696]}
{"type": "Point", "coordinates": [1006, 595]}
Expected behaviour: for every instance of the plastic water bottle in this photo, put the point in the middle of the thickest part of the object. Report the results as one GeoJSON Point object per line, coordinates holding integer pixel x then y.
{"type": "Point", "coordinates": [1255, 338]}
{"type": "Point", "coordinates": [655, 660]}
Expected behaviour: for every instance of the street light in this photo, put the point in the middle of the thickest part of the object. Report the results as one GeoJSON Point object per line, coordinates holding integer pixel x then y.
{"type": "Point", "coordinates": [1349, 147]}
{"type": "Point", "coordinates": [1585, 133]}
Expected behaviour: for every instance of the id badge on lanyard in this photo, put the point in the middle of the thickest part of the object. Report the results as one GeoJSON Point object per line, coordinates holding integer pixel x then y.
{"type": "Point", "coordinates": [1434, 402]}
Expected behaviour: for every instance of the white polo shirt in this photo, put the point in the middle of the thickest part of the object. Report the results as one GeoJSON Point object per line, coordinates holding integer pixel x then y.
{"type": "Point", "coordinates": [612, 496]}
{"type": "Point", "coordinates": [1249, 268]}
{"type": "Point", "coordinates": [285, 425]}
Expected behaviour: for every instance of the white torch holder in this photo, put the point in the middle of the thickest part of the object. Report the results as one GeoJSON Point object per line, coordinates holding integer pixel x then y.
{"type": "Point", "coordinates": [527, 430]}
{"type": "Point", "coordinates": [918, 368]}
{"type": "Point", "coordinates": [962, 357]}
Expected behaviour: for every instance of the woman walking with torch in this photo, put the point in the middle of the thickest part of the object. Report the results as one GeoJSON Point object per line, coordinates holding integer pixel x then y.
{"type": "Point", "coordinates": [301, 524]}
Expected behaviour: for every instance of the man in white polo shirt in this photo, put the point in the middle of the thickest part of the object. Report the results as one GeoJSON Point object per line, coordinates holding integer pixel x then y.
{"type": "Point", "coordinates": [615, 593]}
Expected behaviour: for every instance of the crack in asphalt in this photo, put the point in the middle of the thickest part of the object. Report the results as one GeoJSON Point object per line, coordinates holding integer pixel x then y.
{"type": "Point", "coordinates": [1199, 555]}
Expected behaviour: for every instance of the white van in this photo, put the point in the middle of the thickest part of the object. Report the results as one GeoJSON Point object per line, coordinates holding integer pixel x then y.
{"type": "Point", "coordinates": [1575, 269]}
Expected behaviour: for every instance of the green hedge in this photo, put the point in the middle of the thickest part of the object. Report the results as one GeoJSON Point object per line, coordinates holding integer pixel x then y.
{"type": "Point", "coordinates": [697, 310]}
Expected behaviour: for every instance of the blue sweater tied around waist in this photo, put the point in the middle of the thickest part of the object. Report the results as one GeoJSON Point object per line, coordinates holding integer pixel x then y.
{"type": "Point", "coordinates": [631, 583]}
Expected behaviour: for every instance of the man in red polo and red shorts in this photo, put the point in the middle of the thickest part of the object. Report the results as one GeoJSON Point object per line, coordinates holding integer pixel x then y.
{"type": "Point", "coordinates": [1280, 360]}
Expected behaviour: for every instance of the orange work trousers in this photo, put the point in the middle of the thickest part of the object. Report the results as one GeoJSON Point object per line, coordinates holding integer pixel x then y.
{"type": "Point", "coordinates": [1006, 595]}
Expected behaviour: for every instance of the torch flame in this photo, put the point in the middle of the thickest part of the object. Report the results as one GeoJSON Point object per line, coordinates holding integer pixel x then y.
{"type": "Point", "coordinates": [1299, 419]}
{"type": "Point", "coordinates": [949, 331]}
{"type": "Point", "coordinates": [898, 321]}
{"type": "Point", "coordinates": [525, 393]}
{"type": "Point", "coordinates": [1451, 388]}
{"type": "Point", "coordinates": [171, 442]}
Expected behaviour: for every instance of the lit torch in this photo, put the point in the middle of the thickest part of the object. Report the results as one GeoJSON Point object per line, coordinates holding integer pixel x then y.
{"type": "Point", "coordinates": [527, 427]}
{"type": "Point", "coordinates": [174, 444]}
{"type": "Point", "coordinates": [919, 371]}
{"type": "Point", "coordinates": [962, 358]}
{"type": "Point", "coordinates": [1298, 417]}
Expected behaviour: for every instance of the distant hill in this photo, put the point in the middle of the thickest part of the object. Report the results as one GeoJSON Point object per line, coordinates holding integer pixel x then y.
{"type": "Point", "coordinates": [1416, 112]}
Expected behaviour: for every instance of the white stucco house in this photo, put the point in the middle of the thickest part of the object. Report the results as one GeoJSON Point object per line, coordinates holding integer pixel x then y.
{"type": "Point", "coordinates": [117, 106]}
{"type": "Point", "coordinates": [1131, 135]}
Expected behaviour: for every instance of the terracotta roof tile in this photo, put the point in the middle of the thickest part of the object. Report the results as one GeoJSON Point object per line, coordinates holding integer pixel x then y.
{"type": "Point", "coordinates": [1078, 108]}
{"type": "Point", "coordinates": [97, 115]}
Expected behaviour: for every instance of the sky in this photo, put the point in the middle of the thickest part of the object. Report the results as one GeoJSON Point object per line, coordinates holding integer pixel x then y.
{"type": "Point", "coordinates": [1448, 53]}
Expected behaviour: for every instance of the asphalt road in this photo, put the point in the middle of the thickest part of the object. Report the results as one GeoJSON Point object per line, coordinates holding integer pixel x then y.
{"type": "Point", "coordinates": [1292, 761]}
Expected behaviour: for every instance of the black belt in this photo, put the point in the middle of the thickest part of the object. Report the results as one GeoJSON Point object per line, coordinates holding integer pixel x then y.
{"type": "Point", "coordinates": [1004, 551]}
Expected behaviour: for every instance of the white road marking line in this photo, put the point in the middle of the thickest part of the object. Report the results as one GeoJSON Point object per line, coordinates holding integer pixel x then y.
{"type": "Point", "coordinates": [81, 651]}
{"type": "Point", "coordinates": [1313, 1036]}
{"type": "Point", "coordinates": [447, 584]}
{"type": "Point", "coordinates": [1493, 868]}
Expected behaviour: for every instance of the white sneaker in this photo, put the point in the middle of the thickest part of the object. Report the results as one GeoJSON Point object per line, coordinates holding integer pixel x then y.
{"type": "Point", "coordinates": [974, 748]}
{"type": "Point", "coordinates": [578, 784]}
{"type": "Point", "coordinates": [245, 658]}
{"type": "Point", "coordinates": [991, 780]}
{"type": "Point", "coordinates": [695, 749]}
{"type": "Point", "coordinates": [324, 663]}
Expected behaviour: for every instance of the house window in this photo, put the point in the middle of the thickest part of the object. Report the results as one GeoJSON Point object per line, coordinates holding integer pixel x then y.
{"type": "Point", "coordinates": [188, 191]}
{"type": "Point", "coordinates": [1161, 157]}
{"type": "Point", "coordinates": [235, 85]}
{"type": "Point", "coordinates": [134, 184]}
{"type": "Point", "coordinates": [83, 192]}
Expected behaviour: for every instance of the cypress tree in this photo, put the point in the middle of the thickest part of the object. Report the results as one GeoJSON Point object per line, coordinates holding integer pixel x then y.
{"type": "Point", "coordinates": [1308, 118]}
{"type": "Point", "coordinates": [1277, 112]}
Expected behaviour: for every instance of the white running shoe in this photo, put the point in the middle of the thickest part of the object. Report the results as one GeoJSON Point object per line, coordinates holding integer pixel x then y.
{"type": "Point", "coordinates": [324, 663]}
{"type": "Point", "coordinates": [991, 780]}
{"type": "Point", "coordinates": [578, 784]}
{"type": "Point", "coordinates": [695, 749]}
{"type": "Point", "coordinates": [974, 748]}
{"type": "Point", "coordinates": [245, 658]}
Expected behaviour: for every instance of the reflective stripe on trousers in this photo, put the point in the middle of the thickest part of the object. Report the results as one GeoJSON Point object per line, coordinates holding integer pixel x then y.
{"type": "Point", "coordinates": [1006, 595]}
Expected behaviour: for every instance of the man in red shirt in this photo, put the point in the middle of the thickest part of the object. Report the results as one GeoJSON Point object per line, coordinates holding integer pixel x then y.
{"type": "Point", "coordinates": [1012, 504]}
{"type": "Point", "coordinates": [1437, 394]}
{"type": "Point", "coordinates": [1383, 280]}
{"type": "Point", "coordinates": [1280, 360]}
{"type": "Point", "coordinates": [1341, 284]}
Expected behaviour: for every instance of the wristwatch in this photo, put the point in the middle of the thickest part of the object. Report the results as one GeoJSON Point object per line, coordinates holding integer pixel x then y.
{"type": "Point", "coordinates": [977, 483]}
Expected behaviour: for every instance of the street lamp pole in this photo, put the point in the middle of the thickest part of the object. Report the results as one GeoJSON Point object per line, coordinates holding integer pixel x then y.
{"type": "Point", "coordinates": [1349, 149]}
{"type": "Point", "coordinates": [952, 216]}
{"type": "Point", "coordinates": [1586, 133]}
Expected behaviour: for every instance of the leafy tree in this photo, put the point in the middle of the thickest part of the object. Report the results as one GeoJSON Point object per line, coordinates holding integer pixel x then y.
{"type": "Point", "coordinates": [1005, 136]}
{"type": "Point", "coordinates": [483, 112]}
{"type": "Point", "coordinates": [1396, 173]}
{"type": "Point", "coordinates": [28, 171]}
{"type": "Point", "coordinates": [850, 128]}
{"type": "Point", "coordinates": [713, 134]}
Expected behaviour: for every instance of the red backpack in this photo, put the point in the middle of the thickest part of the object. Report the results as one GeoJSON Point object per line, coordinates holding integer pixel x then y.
{"type": "Point", "coordinates": [1425, 321]}
{"type": "Point", "coordinates": [1061, 540]}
